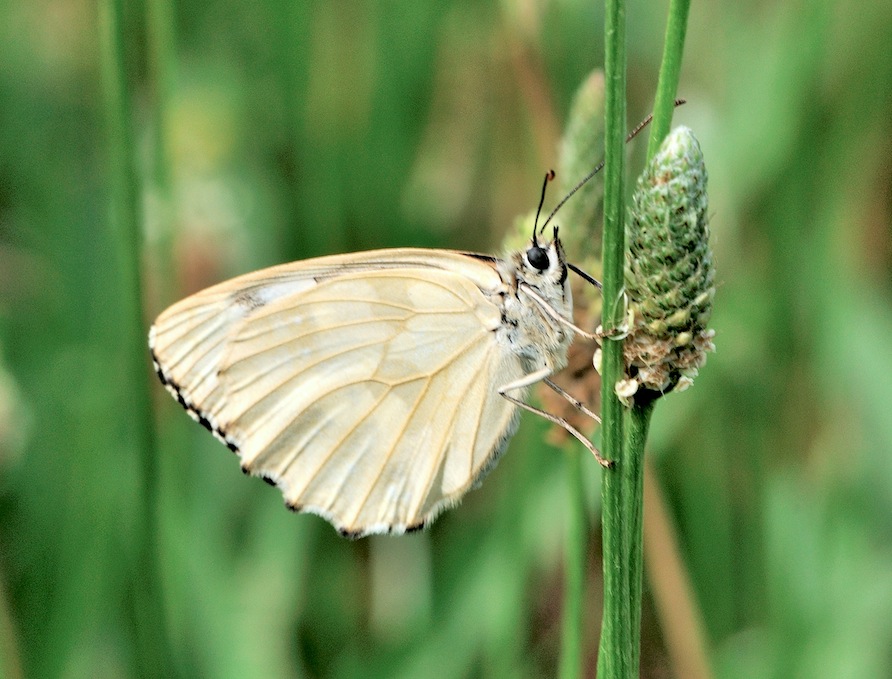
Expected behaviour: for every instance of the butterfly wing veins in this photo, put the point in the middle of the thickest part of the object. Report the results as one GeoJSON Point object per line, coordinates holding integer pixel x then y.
{"type": "Point", "coordinates": [195, 347]}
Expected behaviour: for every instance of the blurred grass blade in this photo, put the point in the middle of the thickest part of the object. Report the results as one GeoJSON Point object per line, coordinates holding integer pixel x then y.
{"type": "Point", "coordinates": [671, 586]}
{"type": "Point", "coordinates": [10, 658]}
{"type": "Point", "coordinates": [144, 595]}
{"type": "Point", "coordinates": [574, 589]}
{"type": "Point", "coordinates": [582, 141]}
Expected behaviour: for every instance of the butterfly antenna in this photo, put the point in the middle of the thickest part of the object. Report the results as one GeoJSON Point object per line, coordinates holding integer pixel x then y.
{"type": "Point", "coordinates": [549, 176]}
{"type": "Point", "coordinates": [634, 133]}
{"type": "Point", "coordinates": [582, 274]}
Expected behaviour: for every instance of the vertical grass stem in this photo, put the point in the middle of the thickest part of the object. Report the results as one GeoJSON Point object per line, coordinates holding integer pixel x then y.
{"type": "Point", "coordinates": [615, 653]}
{"type": "Point", "coordinates": [146, 611]}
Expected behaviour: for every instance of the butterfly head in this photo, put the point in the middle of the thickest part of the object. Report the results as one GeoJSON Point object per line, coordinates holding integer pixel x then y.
{"type": "Point", "coordinates": [544, 263]}
{"type": "Point", "coordinates": [537, 277]}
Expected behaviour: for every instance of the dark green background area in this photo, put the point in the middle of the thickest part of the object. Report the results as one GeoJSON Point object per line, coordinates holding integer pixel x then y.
{"type": "Point", "coordinates": [277, 130]}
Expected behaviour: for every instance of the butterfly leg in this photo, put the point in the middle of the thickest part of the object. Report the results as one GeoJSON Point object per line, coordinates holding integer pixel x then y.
{"type": "Point", "coordinates": [618, 333]}
{"type": "Point", "coordinates": [572, 400]}
{"type": "Point", "coordinates": [622, 331]}
{"type": "Point", "coordinates": [549, 311]}
{"type": "Point", "coordinates": [538, 376]}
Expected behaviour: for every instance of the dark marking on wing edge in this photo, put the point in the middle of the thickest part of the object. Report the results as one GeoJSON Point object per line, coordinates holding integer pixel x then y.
{"type": "Point", "coordinates": [296, 506]}
{"type": "Point", "coordinates": [205, 422]}
{"type": "Point", "coordinates": [194, 412]}
{"type": "Point", "coordinates": [357, 534]}
{"type": "Point", "coordinates": [481, 257]}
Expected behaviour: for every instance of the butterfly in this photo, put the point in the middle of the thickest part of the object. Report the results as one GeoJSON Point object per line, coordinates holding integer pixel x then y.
{"type": "Point", "coordinates": [374, 388]}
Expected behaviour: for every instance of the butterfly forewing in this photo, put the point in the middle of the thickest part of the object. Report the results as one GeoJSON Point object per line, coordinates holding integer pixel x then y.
{"type": "Point", "coordinates": [365, 386]}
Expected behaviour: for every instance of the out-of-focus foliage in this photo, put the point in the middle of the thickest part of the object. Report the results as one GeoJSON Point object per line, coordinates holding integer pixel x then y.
{"type": "Point", "coordinates": [270, 130]}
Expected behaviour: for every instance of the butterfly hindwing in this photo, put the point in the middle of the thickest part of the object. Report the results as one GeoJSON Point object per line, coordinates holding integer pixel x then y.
{"type": "Point", "coordinates": [368, 394]}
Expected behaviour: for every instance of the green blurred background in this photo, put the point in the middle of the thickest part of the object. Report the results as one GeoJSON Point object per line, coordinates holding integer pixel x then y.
{"type": "Point", "coordinates": [273, 130]}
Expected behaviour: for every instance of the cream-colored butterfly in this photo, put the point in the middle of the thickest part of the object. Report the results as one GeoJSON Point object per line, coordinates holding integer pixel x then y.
{"type": "Point", "coordinates": [376, 388]}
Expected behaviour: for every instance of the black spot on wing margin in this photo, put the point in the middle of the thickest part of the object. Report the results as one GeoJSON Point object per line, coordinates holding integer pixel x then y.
{"type": "Point", "coordinates": [193, 412]}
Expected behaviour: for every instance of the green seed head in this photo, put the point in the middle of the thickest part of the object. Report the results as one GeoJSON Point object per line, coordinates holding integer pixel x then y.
{"type": "Point", "coordinates": [669, 274]}
{"type": "Point", "coordinates": [581, 145]}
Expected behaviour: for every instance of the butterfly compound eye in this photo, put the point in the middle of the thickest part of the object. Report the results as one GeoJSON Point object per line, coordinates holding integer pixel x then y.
{"type": "Point", "coordinates": [538, 257]}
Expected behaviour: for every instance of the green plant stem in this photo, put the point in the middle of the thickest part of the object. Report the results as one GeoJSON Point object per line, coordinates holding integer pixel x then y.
{"type": "Point", "coordinates": [622, 490]}
{"type": "Point", "coordinates": [615, 654]}
{"type": "Point", "coordinates": [670, 70]}
{"type": "Point", "coordinates": [640, 415]}
{"type": "Point", "coordinates": [577, 539]}
{"type": "Point", "coordinates": [146, 611]}
{"type": "Point", "coordinates": [636, 436]}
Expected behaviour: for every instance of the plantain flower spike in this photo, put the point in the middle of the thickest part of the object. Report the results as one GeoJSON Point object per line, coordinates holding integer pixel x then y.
{"type": "Point", "coordinates": [582, 144]}
{"type": "Point", "coordinates": [669, 273]}
{"type": "Point", "coordinates": [582, 141]}
{"type": "Point", "coordinates": [580, 219]}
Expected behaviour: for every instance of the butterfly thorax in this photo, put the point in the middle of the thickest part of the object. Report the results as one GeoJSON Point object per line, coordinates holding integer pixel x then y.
{"type": "Point", "coordinates": [528, 328]}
